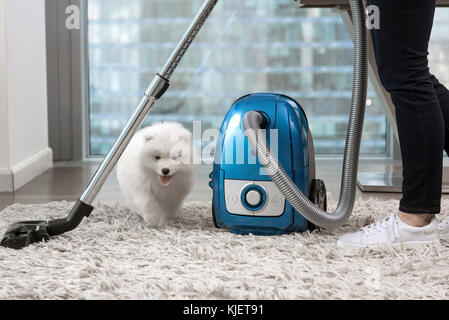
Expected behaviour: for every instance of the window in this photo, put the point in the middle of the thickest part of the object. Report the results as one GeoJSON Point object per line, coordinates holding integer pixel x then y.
{"type": "Point", "coordinates": [246, 46]}
{"type": "Point", "coordinates": [439, 46]}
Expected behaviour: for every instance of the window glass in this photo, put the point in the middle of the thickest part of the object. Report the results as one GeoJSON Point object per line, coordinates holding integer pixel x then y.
{"type": "Point", "coordinates": [246, 46]}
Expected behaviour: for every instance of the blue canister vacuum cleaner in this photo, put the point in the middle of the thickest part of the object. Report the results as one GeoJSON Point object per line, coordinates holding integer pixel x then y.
{"type": "Point", "coordinates": [245, 199]}
{"type": "Point", "coordinates": [266, 192]}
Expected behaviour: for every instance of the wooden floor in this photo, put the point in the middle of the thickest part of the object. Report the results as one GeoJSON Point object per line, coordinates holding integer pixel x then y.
{"type": "Point", "coordinates": [66, 181]}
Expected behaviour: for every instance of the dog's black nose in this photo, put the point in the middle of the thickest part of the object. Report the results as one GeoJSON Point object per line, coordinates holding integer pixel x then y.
{"type": "Point", "coordinates": [165, 171]}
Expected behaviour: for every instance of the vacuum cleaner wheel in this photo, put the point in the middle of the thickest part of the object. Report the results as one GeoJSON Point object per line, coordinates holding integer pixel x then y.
{"type": "Point", "coordinates": [318, 196]}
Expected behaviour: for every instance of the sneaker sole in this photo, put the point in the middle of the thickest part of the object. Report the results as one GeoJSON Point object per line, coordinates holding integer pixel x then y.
{"type": "Point", "coordinates": [444, 236]}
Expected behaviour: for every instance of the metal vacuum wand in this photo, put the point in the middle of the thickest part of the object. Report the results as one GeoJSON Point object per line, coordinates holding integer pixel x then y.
{"type": "Point", "coordinates": [22, 234]}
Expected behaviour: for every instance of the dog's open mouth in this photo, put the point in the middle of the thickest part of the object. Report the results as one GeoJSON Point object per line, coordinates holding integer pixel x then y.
{"type": "Point", "coordinates": [165, 180]}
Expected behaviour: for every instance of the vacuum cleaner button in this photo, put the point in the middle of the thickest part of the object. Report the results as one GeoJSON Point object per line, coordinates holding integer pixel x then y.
{"type": "Point", "coordinates": [232, 198]}
{"type": "Point", "coordinates": [253, 198]}
{"type": "Point", "coordinates": [277, 201]}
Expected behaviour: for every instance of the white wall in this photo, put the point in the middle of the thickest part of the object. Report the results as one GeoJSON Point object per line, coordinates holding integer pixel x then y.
{"type": "Point", "coordinates": [4, 128]}
{"type": "Point", "coordinates": [23, 91]}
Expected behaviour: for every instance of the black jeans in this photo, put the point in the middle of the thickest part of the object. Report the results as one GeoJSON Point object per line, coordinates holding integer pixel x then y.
{"type": "Point", "coordinates": [421, 101]}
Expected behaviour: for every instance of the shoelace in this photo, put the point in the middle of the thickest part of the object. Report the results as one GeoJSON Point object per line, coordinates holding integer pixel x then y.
{"type": "Point", "coordinates": [383, 225]}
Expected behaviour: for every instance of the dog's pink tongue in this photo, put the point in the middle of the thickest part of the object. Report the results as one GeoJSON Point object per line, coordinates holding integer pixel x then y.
{"type": "Point", "coordinates": [165, 180]}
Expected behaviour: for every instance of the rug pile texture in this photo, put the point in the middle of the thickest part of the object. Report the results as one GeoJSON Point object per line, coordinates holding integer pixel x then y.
{"type": "Point", "coordinates": [114, 255]}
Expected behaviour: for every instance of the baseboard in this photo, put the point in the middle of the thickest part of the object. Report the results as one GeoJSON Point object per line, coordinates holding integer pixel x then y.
{"type": "Point", "coordinates": [6, 181]}
{"type": "Point", "coordinates": [25, 171]}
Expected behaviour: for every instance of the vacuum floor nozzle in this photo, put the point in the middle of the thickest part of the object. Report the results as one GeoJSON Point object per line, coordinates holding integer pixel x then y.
{"type": "Point", "coordinates": [22, 234]}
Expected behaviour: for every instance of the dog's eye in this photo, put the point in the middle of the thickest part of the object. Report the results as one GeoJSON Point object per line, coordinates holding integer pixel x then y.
{"type": "Point", "coordinates": [157, 158]}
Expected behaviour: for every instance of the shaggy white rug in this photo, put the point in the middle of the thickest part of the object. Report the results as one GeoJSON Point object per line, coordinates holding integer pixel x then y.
{"type": "Point", "coordinates": [113, 255]}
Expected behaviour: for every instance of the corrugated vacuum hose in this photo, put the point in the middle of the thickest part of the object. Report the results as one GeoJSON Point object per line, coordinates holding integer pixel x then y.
{"type": "Point", "coordinates": [252, 125]}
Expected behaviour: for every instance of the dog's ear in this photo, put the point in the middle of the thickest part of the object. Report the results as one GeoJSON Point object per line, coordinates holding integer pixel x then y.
{"type": "Point", "coordinates": [148, 137]}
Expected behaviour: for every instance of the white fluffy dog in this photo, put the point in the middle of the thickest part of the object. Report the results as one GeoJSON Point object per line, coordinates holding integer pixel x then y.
{"type": "Point", "coordinates": [157, 170]}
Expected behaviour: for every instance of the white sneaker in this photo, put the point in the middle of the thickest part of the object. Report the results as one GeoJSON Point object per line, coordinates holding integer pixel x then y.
{"type": "Point", "coordinates": [443, 228]}
{"type": "Point", "coordinates": [390, 231]}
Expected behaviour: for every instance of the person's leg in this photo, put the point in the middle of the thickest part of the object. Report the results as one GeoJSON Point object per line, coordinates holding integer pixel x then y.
{"type": "Point", "coordinates": [443, 97]}
{"type": "Point", "coordinates": [401, 49]}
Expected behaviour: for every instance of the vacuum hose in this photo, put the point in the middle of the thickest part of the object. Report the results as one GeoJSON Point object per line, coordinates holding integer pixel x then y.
{"type": "Point", "coordinates": [253, 122]}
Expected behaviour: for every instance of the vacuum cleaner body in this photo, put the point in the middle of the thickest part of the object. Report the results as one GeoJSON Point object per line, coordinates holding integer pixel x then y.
{"type": "Point", "coordinates": [245, 200]}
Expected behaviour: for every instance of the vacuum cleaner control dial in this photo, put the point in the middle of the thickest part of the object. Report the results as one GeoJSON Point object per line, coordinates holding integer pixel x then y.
{"type": "Point", "coordinates": [253, 198]}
